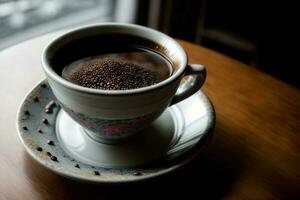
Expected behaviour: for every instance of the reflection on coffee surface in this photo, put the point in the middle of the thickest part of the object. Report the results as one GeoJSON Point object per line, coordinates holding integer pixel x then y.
{"type": "Point", "coordinates": [128, 69]}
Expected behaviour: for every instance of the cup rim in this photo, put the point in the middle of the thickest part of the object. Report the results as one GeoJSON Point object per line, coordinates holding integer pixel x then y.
{"type": "Point", "coordinates": [53, 75]}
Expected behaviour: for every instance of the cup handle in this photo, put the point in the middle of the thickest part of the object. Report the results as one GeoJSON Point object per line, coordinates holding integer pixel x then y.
{"type": "Point", "coordinates": [197, 76]}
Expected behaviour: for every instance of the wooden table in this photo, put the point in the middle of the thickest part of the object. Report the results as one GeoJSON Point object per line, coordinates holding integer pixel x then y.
{"type": "Point", "coordinates": [255, 153]}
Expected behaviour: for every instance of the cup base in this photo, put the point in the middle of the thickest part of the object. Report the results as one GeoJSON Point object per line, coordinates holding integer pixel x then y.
{"type": "Point", "coordinates": [98, 138]}
{"type": "Point", "coordinates": [87, 147]}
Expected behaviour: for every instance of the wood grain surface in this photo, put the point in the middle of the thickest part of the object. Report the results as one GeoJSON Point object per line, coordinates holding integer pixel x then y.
{"type": "Point", "coordinates": [255, 153]}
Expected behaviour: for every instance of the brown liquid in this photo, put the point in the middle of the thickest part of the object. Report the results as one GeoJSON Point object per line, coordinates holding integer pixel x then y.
{"type": "Point", "coordinates": [129, 68]}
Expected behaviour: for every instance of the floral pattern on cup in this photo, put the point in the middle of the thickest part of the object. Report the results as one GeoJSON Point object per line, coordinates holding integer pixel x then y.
{"type": "Point", "coordinates": [111, 129]}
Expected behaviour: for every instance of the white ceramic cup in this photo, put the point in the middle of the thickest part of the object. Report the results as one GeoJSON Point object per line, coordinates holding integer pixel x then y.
{"type": "Point", "coordinates": [111, 116]}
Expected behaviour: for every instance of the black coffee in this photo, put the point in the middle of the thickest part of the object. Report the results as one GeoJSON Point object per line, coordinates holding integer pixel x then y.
{"type": "Point", "coordinates": [129, 68]}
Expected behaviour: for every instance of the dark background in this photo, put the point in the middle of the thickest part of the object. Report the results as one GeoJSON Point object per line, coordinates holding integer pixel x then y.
{"type": "Point", "coordinates": [258, 33]}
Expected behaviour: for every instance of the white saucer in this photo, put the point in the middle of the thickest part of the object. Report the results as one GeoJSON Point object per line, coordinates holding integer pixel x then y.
{"type": "Point", "coordinates": [176, 137]}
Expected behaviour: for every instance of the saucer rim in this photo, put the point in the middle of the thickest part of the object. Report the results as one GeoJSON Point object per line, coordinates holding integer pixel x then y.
{"type": "Point", "coordinates": [190, 154]}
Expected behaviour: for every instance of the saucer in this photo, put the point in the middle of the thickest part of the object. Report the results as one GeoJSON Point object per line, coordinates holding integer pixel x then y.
{"type": "Point", "coordinates": [53, 139]}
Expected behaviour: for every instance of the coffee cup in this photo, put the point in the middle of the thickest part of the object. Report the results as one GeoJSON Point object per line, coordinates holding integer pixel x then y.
{"type": "Point", "coordinates": [112, 116]}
